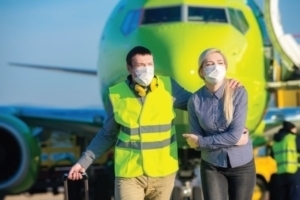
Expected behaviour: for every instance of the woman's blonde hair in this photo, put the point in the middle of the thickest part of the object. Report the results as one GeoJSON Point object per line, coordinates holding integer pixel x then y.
{"type": "Point", "coordinates": [228, 92]}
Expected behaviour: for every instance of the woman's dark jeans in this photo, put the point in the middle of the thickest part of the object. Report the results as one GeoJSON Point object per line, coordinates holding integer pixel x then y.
{"type": "Point", "coordinates": [236, 183]}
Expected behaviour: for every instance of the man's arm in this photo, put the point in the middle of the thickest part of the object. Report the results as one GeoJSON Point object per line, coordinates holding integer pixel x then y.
{"type": "Point", "coordinates": [180, 95]}
{"type": "Point", "coordinates": [298, 143]}
{"type": "Point", "coordinates": [236, 127]}
{"type": "Point", "coordinates": [103, 139]}
{"type": "Point", "coordinates": [194, 125]}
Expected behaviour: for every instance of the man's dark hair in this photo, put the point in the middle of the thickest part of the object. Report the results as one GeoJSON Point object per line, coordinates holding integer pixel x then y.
{"type": "Point", "coordinates": [135, 51]}
{"type": "Point", "coordinates": [288, 125]}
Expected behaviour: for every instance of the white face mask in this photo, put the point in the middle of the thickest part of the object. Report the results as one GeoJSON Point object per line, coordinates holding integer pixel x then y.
{"type": "Point", "coordinates": [214, 73]}
{"type": "Point", "coordinates": [144, 75]}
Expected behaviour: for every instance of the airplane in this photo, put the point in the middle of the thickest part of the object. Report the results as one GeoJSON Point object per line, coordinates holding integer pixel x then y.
{"type": "Point", "coordinates": [176, 31]}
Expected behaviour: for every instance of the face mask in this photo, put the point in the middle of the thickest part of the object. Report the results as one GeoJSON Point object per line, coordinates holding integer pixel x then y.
{"type": "Point", "coordinates": [214, 73]}
{"type": "Point", "coordinates": [144, 75]}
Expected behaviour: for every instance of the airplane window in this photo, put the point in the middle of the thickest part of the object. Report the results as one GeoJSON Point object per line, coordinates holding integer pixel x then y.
{"type": "Point", "coordinates": [234, 19]}
{"type": "Point", "coordinates": [238, 20]}
{"type": "Point", "coordinates": [243, 22]}
{"type": "Point", "coordinates": [131, 21]}
{"type": "Point", "coordinates": [161, 15]}
{"type": "Point", "coordinates": [205, 14]}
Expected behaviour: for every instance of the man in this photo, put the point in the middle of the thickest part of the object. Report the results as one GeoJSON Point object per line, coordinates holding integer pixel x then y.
{"type": "Point", "coordinates": [286, 152]}
{"type": "Point", "coordinates": [140, 113]}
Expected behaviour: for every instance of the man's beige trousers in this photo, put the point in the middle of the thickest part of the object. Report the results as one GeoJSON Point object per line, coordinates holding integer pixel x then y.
{"type": "Point", "coordinates": [144, 187]}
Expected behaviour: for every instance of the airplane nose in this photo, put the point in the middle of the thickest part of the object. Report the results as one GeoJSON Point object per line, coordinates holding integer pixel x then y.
{"type": "Point", "coordinates": [176, 48]}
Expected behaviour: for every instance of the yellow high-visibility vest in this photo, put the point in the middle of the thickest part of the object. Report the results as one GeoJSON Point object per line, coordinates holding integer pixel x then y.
{"type": "Point", "coordinates": [146, 142]}
{"type": "Point", "coordinates": [286, 155]}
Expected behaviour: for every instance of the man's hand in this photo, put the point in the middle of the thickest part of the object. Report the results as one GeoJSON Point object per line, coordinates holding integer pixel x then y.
{"type": "Point", "coordinates": [75, 172]}
{"type": "Point", "coordinates": [191, 139]}
{"type": "Point", "coordinates": [244, 138]}
{"type": "Point", "coordinates": [234, 83]}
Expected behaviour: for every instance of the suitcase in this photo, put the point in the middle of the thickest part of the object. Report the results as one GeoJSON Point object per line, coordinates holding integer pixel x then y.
{"type": "Point", "coordinates": [86, 186]}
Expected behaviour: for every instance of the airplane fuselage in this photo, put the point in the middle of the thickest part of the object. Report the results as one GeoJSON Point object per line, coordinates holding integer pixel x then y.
{"type": "Point", "coordinates": [177, 32]}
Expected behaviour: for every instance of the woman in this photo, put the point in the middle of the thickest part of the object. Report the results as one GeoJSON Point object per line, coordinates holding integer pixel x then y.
{"type": "Point", "coordinates": [217, 117]}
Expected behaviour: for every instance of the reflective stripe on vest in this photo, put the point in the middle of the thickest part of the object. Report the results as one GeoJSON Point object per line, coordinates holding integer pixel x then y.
{"type": "Point", "coordinates": [285, 154]}
{"type": "Point", "coordinates": [147, 141]}
{"type": "Point", "coordinates": [146, 145]}
{"type": "Point", "coordinates": [146, 129]}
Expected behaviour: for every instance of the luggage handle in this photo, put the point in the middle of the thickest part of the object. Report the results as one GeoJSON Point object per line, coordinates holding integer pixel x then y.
{"type": "Point", "coordinates": [86, 185]}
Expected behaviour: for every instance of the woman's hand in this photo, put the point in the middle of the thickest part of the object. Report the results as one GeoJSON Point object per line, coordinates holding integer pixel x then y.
{"type": "Point", "coordinates": [244, 138]}
{"type": "Point", "coordinates": [191, 139]}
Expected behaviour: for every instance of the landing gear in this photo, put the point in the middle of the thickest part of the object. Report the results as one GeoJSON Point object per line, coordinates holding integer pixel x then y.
{"type": "Point", "coordinates": [188, 181]}
{"type": "Point", "coordinates": [197, 193]}
{"type": "Point", "coordinates": [260, 190]}
{"type": "Point", "coordinates": [180, 193]}
{"type": "Point", "coordinates": [176, 194]}
{"type": "Point", "coordinates": [2, 196]}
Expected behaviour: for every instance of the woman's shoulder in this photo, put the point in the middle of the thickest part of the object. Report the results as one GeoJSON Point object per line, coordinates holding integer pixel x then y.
{"type": "Point", "coordinates": [240, 93]}
{"type": "Point", "coordinates": [241, 90]}
{"type": "Point", "coordinates": [197, 93]}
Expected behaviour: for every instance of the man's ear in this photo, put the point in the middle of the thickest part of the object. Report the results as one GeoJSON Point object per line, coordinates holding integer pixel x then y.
{"type": "Point", "coordinates": [129, 68]}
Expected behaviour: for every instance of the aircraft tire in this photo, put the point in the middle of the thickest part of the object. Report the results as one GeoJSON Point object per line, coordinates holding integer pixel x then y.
{"type": "Point", "coordinates": [273, 188]}
{"type": "Point", "coordinates": [197, 193]}
{"type": "Point", "coordinates": [263, 190]}
{"type": "Point", "coordinates": [176, 193]}
{"type": "Point", "coordinates": [2, 196]}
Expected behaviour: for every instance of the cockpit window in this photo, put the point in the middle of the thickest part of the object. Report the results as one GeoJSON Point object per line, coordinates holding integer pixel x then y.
{"type": "Point", "coordinates": [205, 14]}
{"type": "Point", "coordinates": [161, 15]}
{"type": "Point", "coordinates": [238, 20]}
{"type": "Point", "coordinates": [131, 21]}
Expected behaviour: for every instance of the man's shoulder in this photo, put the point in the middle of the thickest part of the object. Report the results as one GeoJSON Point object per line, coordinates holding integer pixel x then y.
{"type": "Point", "coordinates": [118, 85]}
{"type": "Point", "coordinates": [164, 80]}
{"type": "Point", "coordinates": [163, 77]}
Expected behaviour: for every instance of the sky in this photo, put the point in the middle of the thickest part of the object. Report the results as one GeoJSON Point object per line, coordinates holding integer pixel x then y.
{"type": "Point", "coordinates": [64, 33]}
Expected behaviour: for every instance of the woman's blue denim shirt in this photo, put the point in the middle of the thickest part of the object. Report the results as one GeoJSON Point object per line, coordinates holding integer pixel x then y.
{"type": "Point", "coordinates": [217, 139]}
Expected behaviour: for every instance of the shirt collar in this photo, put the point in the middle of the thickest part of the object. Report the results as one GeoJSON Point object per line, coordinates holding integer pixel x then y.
{"type": "Point", "coordinates": [130, 82]}
{"type": "Point", "coordinates": [218, 94]}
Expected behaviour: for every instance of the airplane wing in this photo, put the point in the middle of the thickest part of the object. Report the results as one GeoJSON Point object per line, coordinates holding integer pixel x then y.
{"type": "Point", "coordinates": [83, 121]}
{"type": "Point", "coordinates": [55, 68]}
{"type": "Point", "coordinates": [37, 142]}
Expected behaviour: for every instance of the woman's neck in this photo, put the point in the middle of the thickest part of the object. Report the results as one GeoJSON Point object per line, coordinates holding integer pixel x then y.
{"type": "Point", "coordinates": [213, 87]}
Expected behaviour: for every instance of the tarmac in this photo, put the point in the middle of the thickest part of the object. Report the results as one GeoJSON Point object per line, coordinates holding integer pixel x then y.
{"type": "Point", "coordinates": [46, 196]}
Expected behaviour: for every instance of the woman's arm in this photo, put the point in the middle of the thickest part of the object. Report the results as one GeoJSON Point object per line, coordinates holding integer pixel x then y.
{"type": "Point", "coordinates": [235, 129]}
{"type": "Point", "coordinates": [194, 125]}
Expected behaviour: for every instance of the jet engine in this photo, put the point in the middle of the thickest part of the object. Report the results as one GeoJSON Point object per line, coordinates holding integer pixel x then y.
{"type": "Point", "coordinates": [19, 155]}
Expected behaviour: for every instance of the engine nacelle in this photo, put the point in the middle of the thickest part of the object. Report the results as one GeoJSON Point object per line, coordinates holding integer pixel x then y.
{"type": "Point", "coordinates": [19, 155]}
